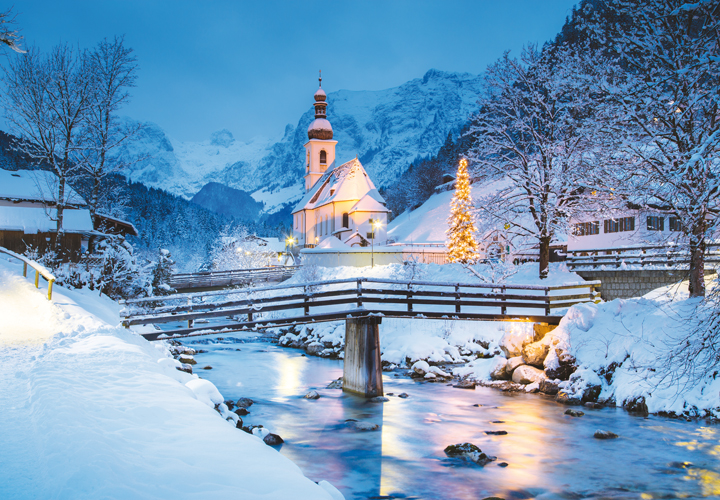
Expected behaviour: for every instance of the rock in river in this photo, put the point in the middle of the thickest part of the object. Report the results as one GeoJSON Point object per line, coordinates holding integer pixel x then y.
{"type": "Point", "coordinates": [378, 399]}
{"type": "Point", "coordinates": [468, 451]}
{"type": "Point", "coordinates": [312, 395]}
{"type": "Point", "coordinates": [574, 413]}
{"type": "Point", "coordinates": [273, 439]}
{"type": "Point", "coordinates": [527, 375]}
{"type": "Point", "coordinates": [244, 403]}
{"type": "Point", "coordinates": [604, 435]}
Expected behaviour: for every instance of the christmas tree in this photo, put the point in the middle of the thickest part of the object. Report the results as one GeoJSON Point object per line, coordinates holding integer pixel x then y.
{"type": "Point", "coordinates": [461, 243]}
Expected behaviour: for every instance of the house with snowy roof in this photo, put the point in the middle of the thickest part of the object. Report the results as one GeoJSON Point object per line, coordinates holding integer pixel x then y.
{"type": "Point", "coordinates": [28, 215]}
{"type": "Point", "coordinates": [341, 209]}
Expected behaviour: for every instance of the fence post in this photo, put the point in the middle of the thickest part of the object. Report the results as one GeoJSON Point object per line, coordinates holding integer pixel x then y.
{"type": "Point", "coordinates": [409, 297]}
{"type": "Point", "coordinates": [503, 308]}
{"type": "Point", "coordinates": [24, 269]}
{"type": "Point", "coordinates": [306, 300]}
{"type": "Point", "coordinates": [189, 303]}
{"type": "Point", "coordinates": [50, 284]}
{"type": "Point", "coordinates": [359, 293]}
{"type": "Point", "coordinates": [37, 278]}
{"type": "Point", "coordinates": [547, 301]}
{"type": "Point", "coordinates": [457, 298]}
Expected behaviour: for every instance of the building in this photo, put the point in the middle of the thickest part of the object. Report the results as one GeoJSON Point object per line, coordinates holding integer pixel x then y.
{"type": "Point", "coordinates": [340, 202]}
{"type": "Point", "coordinates": [28, 215]}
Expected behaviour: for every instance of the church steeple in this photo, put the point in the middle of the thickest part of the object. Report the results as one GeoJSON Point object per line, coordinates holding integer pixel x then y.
{"type": "Point", "coordinates": [320, 147]}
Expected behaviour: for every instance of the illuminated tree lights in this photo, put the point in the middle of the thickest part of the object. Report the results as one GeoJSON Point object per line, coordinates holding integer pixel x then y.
{"type": "Point", "coordinates": [461, 243]}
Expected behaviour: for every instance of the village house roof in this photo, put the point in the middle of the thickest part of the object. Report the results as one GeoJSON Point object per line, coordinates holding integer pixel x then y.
{"type": "Point", "coordinates": [347, 182]}
{"type": "Point", "coordinates": [32, 220]}
{"type": "Point", "coordinates": [35, 186]}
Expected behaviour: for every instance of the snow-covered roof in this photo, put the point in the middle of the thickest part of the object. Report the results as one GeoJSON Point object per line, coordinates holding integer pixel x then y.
{"type": "Point", "coordinates": [33, 220]}
{"type": "Point", "coordinates": [347, 182]}
{"type": "Point", "coordinates": [273, 244]}
{"type": "Point", "coordinates": [369, 203]}
{"type": "Point", "coordinates": [34, 185]}
{"type": "Point", "coordinates": [332, 243]}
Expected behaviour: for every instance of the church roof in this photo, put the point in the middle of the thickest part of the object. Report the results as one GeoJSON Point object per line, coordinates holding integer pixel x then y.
{"type": "Point", "coordinates": [348, 182]}
{"type": "Point", "coordinates": [370, 203]}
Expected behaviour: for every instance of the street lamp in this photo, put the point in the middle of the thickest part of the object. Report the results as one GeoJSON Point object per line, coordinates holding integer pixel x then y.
{"type": "Point", "coordinates": [375, 224]}
{"type": "Point", "coordinates": [289, 242]}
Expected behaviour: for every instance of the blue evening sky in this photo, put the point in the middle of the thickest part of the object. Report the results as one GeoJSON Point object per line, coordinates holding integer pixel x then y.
{"type": "Point", "coordinates": [251, 67]}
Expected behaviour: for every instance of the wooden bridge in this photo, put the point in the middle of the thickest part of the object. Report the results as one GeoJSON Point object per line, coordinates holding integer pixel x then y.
{"type": "Point", "coordinates": [361, 303]}
{"type": "Point", "coordinates": [217, 280]}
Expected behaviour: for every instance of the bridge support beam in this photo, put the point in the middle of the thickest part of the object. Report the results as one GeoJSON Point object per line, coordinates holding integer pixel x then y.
{"type": "Point", "coordinates": [362, 369]}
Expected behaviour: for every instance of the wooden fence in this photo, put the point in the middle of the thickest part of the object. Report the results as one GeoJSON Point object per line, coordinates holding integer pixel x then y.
{"type": "Point", "coordinates": [226, 279]}
{"type": "Point", "coordinates": [39, 270]}
{"type": "Point", "coordinates": [339, 299]}
{"type": "Point", "coordinates": [643, 257]}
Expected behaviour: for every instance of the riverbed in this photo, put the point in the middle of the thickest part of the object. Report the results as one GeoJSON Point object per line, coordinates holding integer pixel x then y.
{"type": "Point", "coordinates": [548, 454]}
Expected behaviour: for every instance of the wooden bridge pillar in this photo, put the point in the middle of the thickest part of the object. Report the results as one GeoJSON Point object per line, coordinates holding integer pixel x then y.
{"type": "Point", "coordinates": [362, 369]}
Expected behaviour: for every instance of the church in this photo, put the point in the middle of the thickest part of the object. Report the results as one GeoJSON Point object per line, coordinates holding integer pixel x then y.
{"type": "Point", "coordinates": [341, 208]}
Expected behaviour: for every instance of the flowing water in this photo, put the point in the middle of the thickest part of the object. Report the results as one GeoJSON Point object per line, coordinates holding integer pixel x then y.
{"type": "Point", "coordinates": [549, 454]}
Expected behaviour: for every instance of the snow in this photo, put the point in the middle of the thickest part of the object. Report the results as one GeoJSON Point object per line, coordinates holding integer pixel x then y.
{"type": "Point", "coordinates": [274, 199]}
{"type": "Point", "coordinates": [91, 410]}
{"type": "Point", "coordinates": [34, 185]}
{"type": "Point", "coordinates": [32, 220]}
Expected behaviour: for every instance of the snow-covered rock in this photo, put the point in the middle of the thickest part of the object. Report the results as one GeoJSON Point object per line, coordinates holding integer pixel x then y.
{"type": "Point", "coordinates": [513, 363]}
{"type": "Point", "coordinates": [535, 353]}
{"type": "Point", "coordinates": [499, 372]}
{"type": "Point", "coordinates": [527, 375]}
{"type": "Point", "coordinates": [513, 341]}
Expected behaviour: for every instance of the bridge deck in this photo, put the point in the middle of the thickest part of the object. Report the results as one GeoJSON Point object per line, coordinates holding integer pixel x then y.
{"type": "Point", "coordinates": [303, 303]}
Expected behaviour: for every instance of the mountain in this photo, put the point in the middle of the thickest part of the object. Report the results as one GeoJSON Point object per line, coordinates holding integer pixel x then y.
{"type": "Point", "coordinates": [228, 201]}
{"type": "Point", "coordinates": [386, 129]}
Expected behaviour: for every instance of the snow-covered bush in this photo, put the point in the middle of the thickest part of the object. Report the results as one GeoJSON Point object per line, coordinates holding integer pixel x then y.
{"type": "Point", "coordinates": [121, 276]}
{"type": "Point", "coordinates": [161, 273]}
{"type": "Point", "coordinates": [236, 248]}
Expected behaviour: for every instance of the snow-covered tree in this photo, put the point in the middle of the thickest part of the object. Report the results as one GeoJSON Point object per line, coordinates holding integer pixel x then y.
{"type": "Point", "coordinates": [9, 36]}
{"type": "Point", "coordinates": [461, 243]}
{"type": "Point", "coordinates": [662, 100]}
{"type": "Point", "coordinates": [113, 68]}
{"type": "Point", "coordinates": [236, 248]}
{"type": "Point", "coordinates": [162, 271]}
{"type": "Point", "coordinates": [534, 131]}
{"type": "Point", "coordinates": [46, 103]}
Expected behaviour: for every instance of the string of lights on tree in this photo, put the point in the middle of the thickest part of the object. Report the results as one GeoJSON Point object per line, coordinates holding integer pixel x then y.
{"type": "Point", "coordinates": [461, 243]}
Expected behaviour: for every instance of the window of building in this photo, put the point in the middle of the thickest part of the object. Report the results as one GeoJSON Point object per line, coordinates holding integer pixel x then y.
{"type": "Point", "coordinates": [587, 228]}
{"type": "Point", "coordinates": [655, 223]}
{"type": "Point", "coordinates": [323, 157]}
{"type": "Point", "coordinates": [327, 226]}
{"type": "Point", "coordinates": [346, 221]}
{"type": "Point", "coordinates": [620, 225]}
{"type": "Point", "coordinates": [675, 224]}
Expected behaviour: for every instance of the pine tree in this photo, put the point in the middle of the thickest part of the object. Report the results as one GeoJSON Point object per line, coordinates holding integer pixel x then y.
{"type": "Point", "coordinates": [461, 243]}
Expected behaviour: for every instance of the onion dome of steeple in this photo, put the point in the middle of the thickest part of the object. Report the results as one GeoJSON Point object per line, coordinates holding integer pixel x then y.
{"type": "Point", "coordinates": [320, 128]}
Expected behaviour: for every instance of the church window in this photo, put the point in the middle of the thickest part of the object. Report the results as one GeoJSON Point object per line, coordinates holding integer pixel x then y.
{"type": "Point", "coordinates": [346, 220]}
{"type": "Point", "coordinates": [326, 225]}
{"type": "Point", "coordinates": [323, 157]}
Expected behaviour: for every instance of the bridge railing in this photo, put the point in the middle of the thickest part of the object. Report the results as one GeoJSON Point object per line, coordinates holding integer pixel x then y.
{"type": "Point", "coordinates": [40, 270]}
{"type": "Point", "coordinates": [210, 279]}
{"type": "Point", "coordinates": [337, 299]}
{"type": "Point", "coordinates": [644, 257]}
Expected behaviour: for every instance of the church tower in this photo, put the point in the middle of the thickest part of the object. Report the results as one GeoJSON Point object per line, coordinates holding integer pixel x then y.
{"type": "Point", "coordinates": [320, 149]}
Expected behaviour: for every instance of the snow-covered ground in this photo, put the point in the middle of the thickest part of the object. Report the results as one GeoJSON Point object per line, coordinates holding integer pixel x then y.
{"type": "Point", "coordinates": [90, 410]}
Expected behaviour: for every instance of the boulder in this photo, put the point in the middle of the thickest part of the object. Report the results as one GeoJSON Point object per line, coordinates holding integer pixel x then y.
{"type": "Point", "coordinates": [312, 395]}
{"type": "Point", "coordinates": [549, 387]}
{"type": "Point", "coordinates": [469, 452]}
{"type": "Point", "coordinates": [574, 413]}
{"type": "Point", "coordinates": [560, 364]}
{"type": "Point", "coordinates": [438, 372]}
{"type": "Point", "coordinates": [564, 398]}
{"type": "Point", "coordinates": [403, 395]}
{"type": "Point", "coordinates": [230, 404]}
{"type": "Point", "coordinates": [527, 375]}
{"type": "Point", "coordinates": [241, 412]}
{"type": "Point", "coordinates": [465, 384]}
{"type": "Point", "coordinates": [208, 367]}
{"type": "Point", "coordinates": [534, 354]}
{"type": "Point", "coordinates": [637, 406]}
{"type": "Point", "coordinates": [591, 393]}
{"type": "Point", "coordinates": [361, 426]}
{"type": "Point", "coordinates": [244, 403]}
{"type": "Point", "coordinates": [239, 423]}
{"type": "Point", "coordinates": [496, 433]}
{"type": "Point", "coordinates": [185, 368]}
{"type": "Point", "coordinates": [273, 439]}
{"type": "Point", "coordinates": [512, 343]}
{"type": "Point", "coordinates": [186, 358]}
{"type": "Point", "coordinates": [378, 399]}
{"type": "Point", "coordinates": [513, 363]}
{"type": "Point", "coordinates": [336, 384]}
{"type": "Point", "coordinates": [314, 348]}
{"type": "Point", "coordinates": [189, 351]}
{"type": "Point", "coordinates": [499, 373]}
{"type": "Point", "coordinates": [421, 368]}
{"type": "Point", "coordinates": [604, 435]}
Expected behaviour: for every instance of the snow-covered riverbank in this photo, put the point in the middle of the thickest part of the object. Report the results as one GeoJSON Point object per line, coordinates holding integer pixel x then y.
{"type": "Point", "coordinates": [90, 410]}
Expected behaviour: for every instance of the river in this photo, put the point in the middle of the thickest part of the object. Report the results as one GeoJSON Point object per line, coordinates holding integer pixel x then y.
{"type": "Point", "coordinates": [549, 454]}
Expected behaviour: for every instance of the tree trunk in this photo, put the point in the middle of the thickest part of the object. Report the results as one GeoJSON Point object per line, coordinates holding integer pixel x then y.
{"type": "Point", "coordinates": [60, 207]}
{"type": "Point", "coordinates": [696, 285]}
{"type": "Point", "coordinates": [544, 256]}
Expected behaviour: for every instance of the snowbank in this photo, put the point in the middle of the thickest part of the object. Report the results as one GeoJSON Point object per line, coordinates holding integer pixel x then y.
{"type": "Point", "coordinates": [88, 411]}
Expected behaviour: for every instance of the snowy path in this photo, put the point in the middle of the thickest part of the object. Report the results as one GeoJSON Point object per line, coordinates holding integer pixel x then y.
{"type": "Point", "coordinates": [92, 411]}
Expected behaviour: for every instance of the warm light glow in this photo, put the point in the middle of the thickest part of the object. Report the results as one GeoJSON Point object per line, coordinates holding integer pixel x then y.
{"type": "Point", "coordinates": [461, 244]}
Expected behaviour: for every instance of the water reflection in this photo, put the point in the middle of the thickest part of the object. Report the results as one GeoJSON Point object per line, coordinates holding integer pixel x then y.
{"type": "Point", "coordinates": [550, 455]}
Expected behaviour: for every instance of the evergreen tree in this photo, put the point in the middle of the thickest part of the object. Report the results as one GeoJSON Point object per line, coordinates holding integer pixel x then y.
{"type": "Point", "coordinates": [162, 272]}
{"type": "Point", "coordinates": [461, 244]}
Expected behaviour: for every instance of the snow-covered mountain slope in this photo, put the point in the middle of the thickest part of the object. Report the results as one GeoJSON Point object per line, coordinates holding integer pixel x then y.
{"type": "Point", "coordinates": [386, 129]}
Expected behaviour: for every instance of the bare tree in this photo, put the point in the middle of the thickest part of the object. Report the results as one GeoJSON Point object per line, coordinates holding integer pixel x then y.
{"type": "Point", "coordinates": [46, 103]}
{"type": "Point", "coordinates": [113, 69]}
{"type": "Point", "coordinates": [663, 102]}
{"type": "Point", "coordinates": [534, 130]}
{"type": "Point", "coordinates": [9, 36]}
